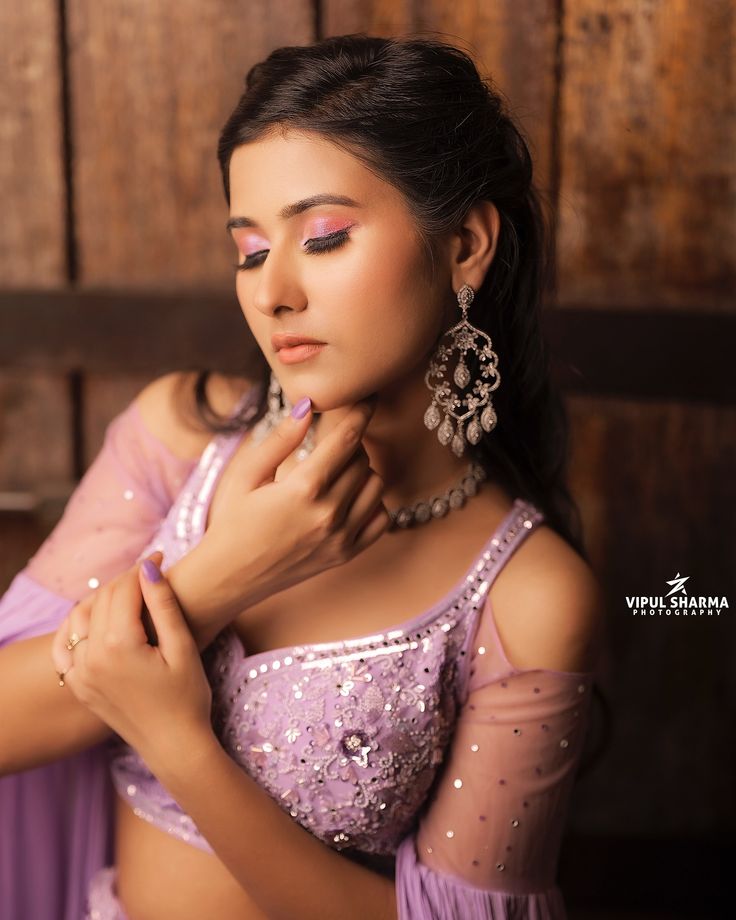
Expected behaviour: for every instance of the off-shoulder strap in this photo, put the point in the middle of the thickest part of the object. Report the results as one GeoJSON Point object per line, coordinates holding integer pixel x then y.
{"type": "Point", "coordinates": [521, 520]}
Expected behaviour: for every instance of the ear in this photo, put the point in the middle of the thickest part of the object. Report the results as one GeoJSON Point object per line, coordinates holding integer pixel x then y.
{"type": "Point", "coordinates": [474, 244]}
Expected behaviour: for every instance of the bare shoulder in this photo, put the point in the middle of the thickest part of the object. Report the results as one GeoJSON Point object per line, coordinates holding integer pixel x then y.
{"type": "Point", "coordinates": [167, 407]}
{"type": "Point", "coordinates": [548, 606]}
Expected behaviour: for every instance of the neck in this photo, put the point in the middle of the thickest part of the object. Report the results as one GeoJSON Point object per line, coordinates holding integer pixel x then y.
{"type": "Point", "coordinates": [406, 455]}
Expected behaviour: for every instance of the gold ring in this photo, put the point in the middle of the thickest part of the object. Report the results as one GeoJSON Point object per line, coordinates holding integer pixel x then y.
{"type": "Point", "coordinates": [74, 639]}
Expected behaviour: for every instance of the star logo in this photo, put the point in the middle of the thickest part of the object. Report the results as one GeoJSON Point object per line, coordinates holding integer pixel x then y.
{"type": "Point", "coordinates": [677, 583]}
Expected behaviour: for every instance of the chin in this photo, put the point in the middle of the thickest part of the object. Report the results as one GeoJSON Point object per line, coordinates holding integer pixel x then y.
{"type": "Point", "coordinates": [325, 395]}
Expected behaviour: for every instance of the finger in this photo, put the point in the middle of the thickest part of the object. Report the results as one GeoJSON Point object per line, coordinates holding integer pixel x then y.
{"type": "Point", "coordinates": [348, 485]}
{"type": "Point", "coordinates": [157, 557]}
{"type": "Point", "coordinates": [124, 612]}
{"type": "Point", "coordinates": [76, 621]}
{"type": "Point", "coordinates": [98, 614]}
{"type": "Point", "coordinates": [79, 656]}
{"type": "Point", "coordinates": [329, 457]}
{"type": "Point", "coordinates": [378, 524]}
{"type": "Point", "coordinates": [77, 630]}
{"type": "Point", "coordinates": [60, 656]}
{"type": "Point", "coordinates": [364, 507]}
{"type": "Point", "coordinates": [257, 464]}
{"type": "Point", "coordinates": [175, 641]}
{"type": "Point", "coordinates": [77, 670]}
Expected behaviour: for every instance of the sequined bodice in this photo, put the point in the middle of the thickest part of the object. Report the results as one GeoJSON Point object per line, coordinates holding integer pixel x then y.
{"type": "Point", "coordinates": [346, 736]}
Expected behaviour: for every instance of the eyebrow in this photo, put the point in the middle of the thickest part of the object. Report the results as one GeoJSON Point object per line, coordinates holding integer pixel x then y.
{"type": "Point", "coordinates": [298, 207]}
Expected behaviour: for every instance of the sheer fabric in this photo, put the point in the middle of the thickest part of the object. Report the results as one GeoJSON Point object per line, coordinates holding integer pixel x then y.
{"type": "Point", "coordinates": [55, 820]}
{"type": "Point", "coordinates": [487, 841]}
{"type": "Point", "coordinates": [116, 508]}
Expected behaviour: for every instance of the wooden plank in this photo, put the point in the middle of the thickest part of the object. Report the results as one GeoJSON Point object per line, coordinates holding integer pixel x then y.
{"type": "Point", "coordinates": [658, 498]}
{"type": "Point", "coordinates": [513, 43]}
{"type": "Point", "coordinates": [647, 211]}
{"type": "Point", "coordinates": [32, 231]}
{"type": "Point", "coordinates": [152, 85]}
{"type": "Point", "coordinates": [36, 463]}
{"type": "Point", "coordinates": [646, 353]}
{"type": "Point", "coordinates": [35, 424]}
{"type": "Point", "coordinates": [668, 467]}
{"type": "Point", "coordinates": [118, 331]}
{"type": "Point", "coordinates": [35, 439]}
{"type": "Point", "coordinates": [105, 395]}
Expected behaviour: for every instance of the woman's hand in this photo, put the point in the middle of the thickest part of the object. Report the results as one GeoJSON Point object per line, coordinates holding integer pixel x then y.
{"type": "Point", "coordinates": [270, 535]}
{"type": "Point", "coordinates": [156, 697]}
{"type": "Point", "coordinates": [78, 619]}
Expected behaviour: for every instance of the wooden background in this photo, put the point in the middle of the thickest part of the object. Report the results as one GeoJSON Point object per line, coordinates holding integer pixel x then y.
{"type": "Point", "coordinates": [115, 263]}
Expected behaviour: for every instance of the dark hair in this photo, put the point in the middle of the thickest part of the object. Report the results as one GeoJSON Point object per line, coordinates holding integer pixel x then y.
{"type": "Point", "coordinates": [418, 114]}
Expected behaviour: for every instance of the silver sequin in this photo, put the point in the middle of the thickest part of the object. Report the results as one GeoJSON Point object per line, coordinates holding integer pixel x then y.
{"type": "Point", "coordinates": [404, 728]}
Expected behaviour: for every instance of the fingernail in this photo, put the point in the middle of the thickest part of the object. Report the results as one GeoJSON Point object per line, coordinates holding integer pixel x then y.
{"type": "Point", "coordinates": [151, 570]}
{"type": "Point", "coordinates": [301, 408]}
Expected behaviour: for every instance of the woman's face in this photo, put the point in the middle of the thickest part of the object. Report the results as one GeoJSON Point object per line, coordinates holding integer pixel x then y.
{"type": "Point", "coordinates": [366, 296]}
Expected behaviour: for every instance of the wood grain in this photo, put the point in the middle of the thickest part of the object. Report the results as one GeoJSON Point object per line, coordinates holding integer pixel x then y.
{"type": "Point", "coordinates": [152, 85]}
{"type": "Point", "coordinates": [647, 210]}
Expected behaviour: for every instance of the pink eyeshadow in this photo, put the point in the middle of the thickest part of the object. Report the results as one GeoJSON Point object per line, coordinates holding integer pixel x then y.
{"type": "Point", "coordinates": [321, 226]}
{"type": "Point", "coordinates": [252, 243]}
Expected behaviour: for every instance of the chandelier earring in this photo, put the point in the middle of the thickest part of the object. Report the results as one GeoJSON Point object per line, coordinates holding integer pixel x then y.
{"type": "Point", "coordinates": [435, 506]}
{"type": "Point", "coordinates": [461, 409]}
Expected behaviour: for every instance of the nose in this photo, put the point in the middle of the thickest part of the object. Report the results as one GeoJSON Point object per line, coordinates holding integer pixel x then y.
{"type": "Point", "coordinates": [277, 288]}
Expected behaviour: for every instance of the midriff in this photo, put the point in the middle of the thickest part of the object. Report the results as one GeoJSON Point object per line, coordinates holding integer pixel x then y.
{"type": "Point", "coordinates": [160, 877]}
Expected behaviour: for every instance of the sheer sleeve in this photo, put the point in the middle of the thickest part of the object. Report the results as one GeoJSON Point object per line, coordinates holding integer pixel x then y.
{"type": "Point", "coordinates": [114, 511]}
{"type": "Point", "coordinates": [487, 842]}
{"type": "Point", "coordinates": [56, 828]}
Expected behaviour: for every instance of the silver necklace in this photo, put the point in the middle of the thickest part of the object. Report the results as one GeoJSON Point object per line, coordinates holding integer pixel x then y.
{"type": "Point", "coordinates": [417, 513]}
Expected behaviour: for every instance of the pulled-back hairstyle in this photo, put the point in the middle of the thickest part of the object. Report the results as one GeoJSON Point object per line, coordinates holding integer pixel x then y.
{"type": "Point", "coordinates": [419, 115]}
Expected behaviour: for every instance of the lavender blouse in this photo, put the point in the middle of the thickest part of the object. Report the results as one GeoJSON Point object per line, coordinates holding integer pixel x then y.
{"type": "Point", "coordinates": [420, 751]}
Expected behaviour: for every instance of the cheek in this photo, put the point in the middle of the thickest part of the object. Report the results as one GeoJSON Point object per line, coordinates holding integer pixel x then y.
{"type": "Point", "coordinates": [383, 273]}
{"type": "Point", "coordinates": [399, 314]}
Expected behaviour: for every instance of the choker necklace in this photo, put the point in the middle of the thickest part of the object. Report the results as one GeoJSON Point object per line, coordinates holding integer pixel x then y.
{"type": "Point", "coordinates": [417, 513]}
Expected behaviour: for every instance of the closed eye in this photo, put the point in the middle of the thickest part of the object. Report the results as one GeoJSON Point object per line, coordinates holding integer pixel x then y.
{"type": "Point", "coordinates": [317, 245]}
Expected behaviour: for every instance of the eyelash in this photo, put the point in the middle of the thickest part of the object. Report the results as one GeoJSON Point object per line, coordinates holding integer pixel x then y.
{"type": "Point", "coordinates": [317, 245]}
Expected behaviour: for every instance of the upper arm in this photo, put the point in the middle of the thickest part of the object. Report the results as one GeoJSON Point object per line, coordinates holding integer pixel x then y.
{"type": "Point", "coordinates": [548, 606]}
{"type": "Point", "coordinates": [149, 450]}
{"type": "Point", "coordinates": [489, 836]}
{"type": "Point", "coordinates": [107, 522]}
{"type": "Point", "coordinates": [167, 408]}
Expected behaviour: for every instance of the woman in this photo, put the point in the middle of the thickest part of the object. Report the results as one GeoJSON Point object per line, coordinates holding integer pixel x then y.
{"type": "Point", "coordinates": [398, 625]}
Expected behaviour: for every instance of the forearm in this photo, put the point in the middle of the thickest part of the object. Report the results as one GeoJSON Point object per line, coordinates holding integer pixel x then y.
{"type": "Point", "coordinates": [41, 721]}
{"type": "Point", "coordinates": [192, 581]}
{"type": "Point", "coordinates": [208, 603]}
{"type": "Point", "coordinates": [262, 846]}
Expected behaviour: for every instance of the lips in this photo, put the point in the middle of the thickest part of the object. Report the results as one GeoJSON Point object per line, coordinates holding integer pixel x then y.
{"type": "Point", "coordinates": [290, 339]}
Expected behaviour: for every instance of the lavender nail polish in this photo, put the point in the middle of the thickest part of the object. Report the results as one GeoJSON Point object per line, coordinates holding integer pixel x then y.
{"type": "Point", "coordinates": [151, 570]}
{"type": "Point", "coordinates": [301, 408]}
